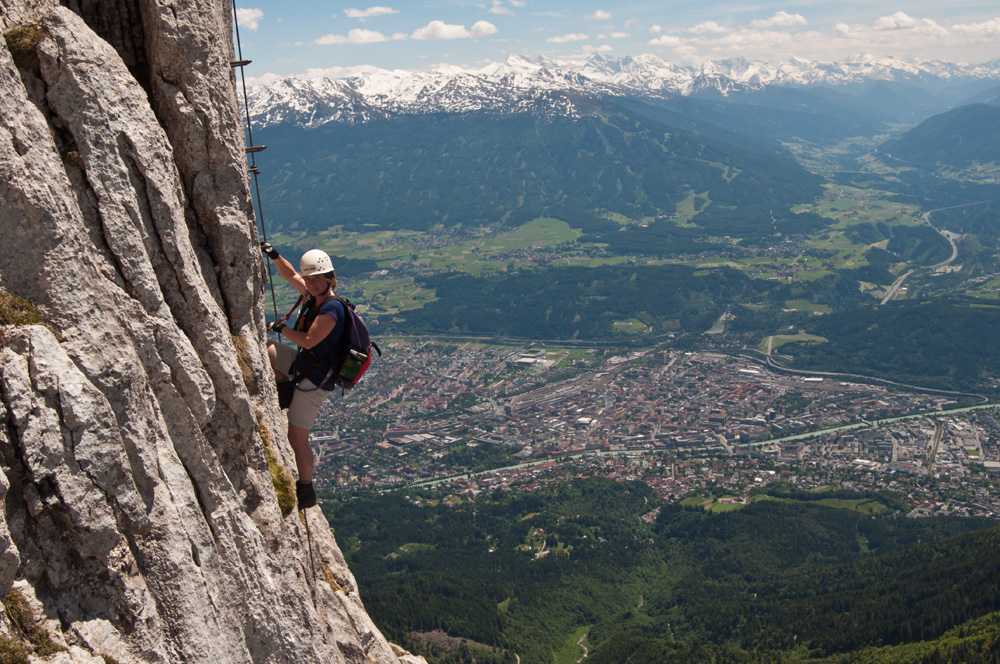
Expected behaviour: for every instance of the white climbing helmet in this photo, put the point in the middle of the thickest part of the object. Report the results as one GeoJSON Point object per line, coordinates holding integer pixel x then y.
{"type": "Point", "coordinates": [315, 261]}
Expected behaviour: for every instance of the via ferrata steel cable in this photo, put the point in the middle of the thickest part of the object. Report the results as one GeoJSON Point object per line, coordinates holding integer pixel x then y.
{"type": "Point", "coordinates": [252, 150]}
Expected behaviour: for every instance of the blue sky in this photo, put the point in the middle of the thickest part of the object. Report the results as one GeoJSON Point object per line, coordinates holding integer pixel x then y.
{"type": "Point", "coordinates": [309, 38]}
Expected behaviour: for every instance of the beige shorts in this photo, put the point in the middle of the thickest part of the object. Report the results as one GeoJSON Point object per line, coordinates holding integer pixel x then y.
{"type": "Point", "coordinates": [308, 398]}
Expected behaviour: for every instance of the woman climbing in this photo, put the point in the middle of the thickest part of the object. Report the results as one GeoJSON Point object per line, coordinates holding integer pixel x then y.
{"type": "Point", "coordinates": [317, 329]}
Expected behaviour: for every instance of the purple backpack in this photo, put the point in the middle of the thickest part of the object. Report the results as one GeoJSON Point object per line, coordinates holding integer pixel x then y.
{"type": "Point", "coordinates": [352, 355]}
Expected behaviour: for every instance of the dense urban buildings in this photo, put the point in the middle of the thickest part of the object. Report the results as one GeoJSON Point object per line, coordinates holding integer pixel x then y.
{"type": "Point", "coordinates": [471, 416]}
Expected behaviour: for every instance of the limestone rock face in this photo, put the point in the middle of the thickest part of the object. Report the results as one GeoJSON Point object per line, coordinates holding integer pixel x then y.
{"type": "Point", "coordinates": [139, 513]}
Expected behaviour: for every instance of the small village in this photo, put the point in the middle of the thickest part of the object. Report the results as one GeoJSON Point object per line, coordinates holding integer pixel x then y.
{"type": "Point", "coordinates": [469, 417]}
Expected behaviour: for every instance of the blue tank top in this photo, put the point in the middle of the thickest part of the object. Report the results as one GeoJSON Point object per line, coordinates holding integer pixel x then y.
{"type": "Point", "coordinates": [306, 363]}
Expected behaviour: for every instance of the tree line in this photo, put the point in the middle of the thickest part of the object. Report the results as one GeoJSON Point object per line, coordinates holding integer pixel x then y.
{"type": "Point", "coordinates": [518, 573]}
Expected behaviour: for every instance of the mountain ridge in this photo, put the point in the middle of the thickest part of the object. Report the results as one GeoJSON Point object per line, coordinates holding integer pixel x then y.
{"type": "Point", "coordinates": [520, 84]}
{"type": "Point", "coordinates": [963, 137]}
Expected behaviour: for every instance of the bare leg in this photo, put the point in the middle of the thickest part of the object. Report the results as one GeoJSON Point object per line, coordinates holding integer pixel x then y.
{"type": "Point", "coordinates": [298, 438]}
{"type": "Point", "coordinates": [271, 353]}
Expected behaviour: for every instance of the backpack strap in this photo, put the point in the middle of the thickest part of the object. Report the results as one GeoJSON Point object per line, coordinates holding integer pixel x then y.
{"type": "Point", "coordinates": [343, 342]}
{"type": "Point", "coordinates": [306, 316]}
{"type": "Point", "coordinates": [292, 310]}
{"type": "Point", "coordinates": [293, 378]}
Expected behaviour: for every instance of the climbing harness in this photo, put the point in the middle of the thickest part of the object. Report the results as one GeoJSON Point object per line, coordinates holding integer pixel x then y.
{"type": "Point", "coordinates": [251, 150]}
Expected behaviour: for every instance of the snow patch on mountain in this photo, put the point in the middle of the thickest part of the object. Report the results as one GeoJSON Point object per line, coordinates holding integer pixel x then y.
{"type": "Point", "coordinates": [543, 86]}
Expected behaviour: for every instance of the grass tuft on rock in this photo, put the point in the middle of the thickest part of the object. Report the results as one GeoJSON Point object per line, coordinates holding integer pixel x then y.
{"type": "Point", "coordinates": [284, 486]}
{"type": "Point", "coordinates": [23, 618]}
{"type": "Point", "coordinates": [243, 359]}
{"type": "Point", "coordinates": [12, 651]}
{"type": "Point", "coordinates": [16, 310]}
{"type": "Point", "coordinates": [330, 578]}
{"type": "Point", "coordinates": [22, 42]}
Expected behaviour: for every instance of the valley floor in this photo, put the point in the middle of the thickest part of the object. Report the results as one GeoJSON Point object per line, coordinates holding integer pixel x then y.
{"type": "Point", "coordinates": [682, 422]}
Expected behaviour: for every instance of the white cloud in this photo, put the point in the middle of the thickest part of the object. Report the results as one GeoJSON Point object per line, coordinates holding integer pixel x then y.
{"type": "Point", "coordinates": [780, 20]}
{"type": "Point", "coordinates": [619, 35]}
{"type": "Point", "coordinates": [899, 35]}
{"type": "Point", "coordinates": [903, 23]}
{"type": "Point", "coordinates": [604, 48]}
{"type": "Point", "coordinates": [599, 15]}
{"type": "Point", "coordinates": [442, 30]}
{"type": "Point", "coordinates": [249, 18]}
{"type": "Point", "coordinates": [689, 53]}
{"type": "Point", "coordinates": [666, 40]}
{"type": "Point", "coordinates": [334, 73]}
{"type": "Point", "coordinates": [655, 29]}
{"type": "Point", "coordinates": [370, 12]}
{"type": "Point", "coordinates": [987, 30]}
{"type": "Point", "coordinates": [264, 79]}
{"type": "Point", "coordinates": [562, 39]}
{"type": "Point", "coordinates": [709, 27]}
{"type": "Point", "coordinates": [898, 21]}
{"type": "Point", "coordinates": [357, 36]}
{"type": "Point", "coordinates": [499, 8]}
{"type": "Point", "coordinates": [755, 38]}
{"type": "Point", "coordinates": [331, 73]}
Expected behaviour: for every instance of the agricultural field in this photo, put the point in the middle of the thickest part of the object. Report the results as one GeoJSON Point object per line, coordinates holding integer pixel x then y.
{"type": "Point", "coordinates": [549, 242]}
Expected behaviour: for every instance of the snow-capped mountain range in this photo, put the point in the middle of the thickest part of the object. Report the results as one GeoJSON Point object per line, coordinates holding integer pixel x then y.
{"type": "Point", "coordinates": [520, 84]}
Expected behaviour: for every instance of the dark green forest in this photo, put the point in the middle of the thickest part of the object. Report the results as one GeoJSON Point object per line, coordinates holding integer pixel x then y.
{"type": "Point", "coordinates": [959, 138]}
{"type": "Point", "coordinates": [584, 303]}
{"type": "Point", "coordinates": [784, 579]}
{"type": "Point", "coordinates": [420, 171]}
{"type": "Point", "coordinates": [946, 344]}
{"type": "Point", "coordinates": [819, 116]}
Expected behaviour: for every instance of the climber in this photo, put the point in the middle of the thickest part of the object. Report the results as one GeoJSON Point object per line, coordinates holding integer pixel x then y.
{"type": "Point", "coordinates": [318, 328]}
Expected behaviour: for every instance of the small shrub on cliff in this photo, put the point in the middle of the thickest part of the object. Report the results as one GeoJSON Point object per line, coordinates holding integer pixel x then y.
{"type": "Point", "coordinates": [284, 487]}
{"type": "Point", "coordinates": [12, 652]}
{"type": "Point", "coordinates": [330, 578]}
{"type": "Point", "coordinates": [22, 42]}
{"type": "Point", "coordinates": [23, 618]}
{"type": "Point", "coordinates": [15, 310]}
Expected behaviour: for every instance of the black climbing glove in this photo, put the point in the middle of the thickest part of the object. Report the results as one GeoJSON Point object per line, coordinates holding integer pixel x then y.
{"type": "Point", "coordinates": [276, 327]}
{"type": "Point", "coordinates": [271, 252]}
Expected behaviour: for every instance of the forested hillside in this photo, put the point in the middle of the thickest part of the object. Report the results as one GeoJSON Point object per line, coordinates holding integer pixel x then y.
{"type": "Point", "coordinates": [944, 344]}
{"type": "Point", "coordinates": [787, 578]}
{"type": "Point", "coordinates": [585, 303]}
{"type": "Point", "coordinates": [961, 138]}
{"type": "Point", "coordinates": [420, 171]}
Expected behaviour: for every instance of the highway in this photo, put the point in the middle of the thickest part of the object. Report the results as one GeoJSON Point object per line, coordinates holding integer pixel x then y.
{"type": "Point", "coordinates": [947, 235]}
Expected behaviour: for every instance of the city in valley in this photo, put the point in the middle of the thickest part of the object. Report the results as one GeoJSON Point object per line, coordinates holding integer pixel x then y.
{"type": "Point", "coordinates": [470, 416]}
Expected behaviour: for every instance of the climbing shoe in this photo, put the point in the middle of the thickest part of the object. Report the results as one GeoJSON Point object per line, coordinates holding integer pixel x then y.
{"type": "Point", "coordinates": [305, 494]}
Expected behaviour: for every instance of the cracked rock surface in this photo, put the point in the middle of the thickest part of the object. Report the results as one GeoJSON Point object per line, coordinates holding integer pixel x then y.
{"type": "Point", "coordinates": [139, 514]}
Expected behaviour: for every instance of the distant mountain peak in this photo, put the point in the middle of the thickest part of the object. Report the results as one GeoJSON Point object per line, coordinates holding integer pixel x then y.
{"type": "Point", "coordinates": [521, 83]}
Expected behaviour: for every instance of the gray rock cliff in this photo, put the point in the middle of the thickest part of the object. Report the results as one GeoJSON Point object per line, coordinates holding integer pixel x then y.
{"type": "Point", "coordinates": [140, 519]}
